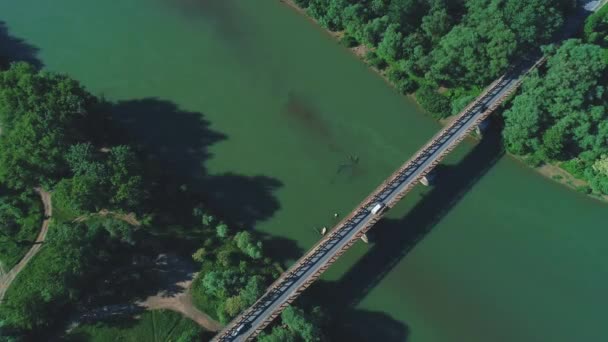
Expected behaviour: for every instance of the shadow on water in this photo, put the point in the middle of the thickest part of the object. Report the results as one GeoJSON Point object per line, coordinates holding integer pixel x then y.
{"type": "Point", "coordinates": [13, 49]}
{"type": "Point", "coordinates": [179, 142]}
{"type": "Point", "coordinates": [392, 239]}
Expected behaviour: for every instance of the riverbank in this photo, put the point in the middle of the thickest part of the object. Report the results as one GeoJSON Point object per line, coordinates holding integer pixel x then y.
{"type": "Point", "coordinates": [551, 171]}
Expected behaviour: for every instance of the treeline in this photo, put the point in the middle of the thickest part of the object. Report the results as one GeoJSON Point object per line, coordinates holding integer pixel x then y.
{"type": "Point", "coordinates": [461, 45]}
{"type": "Point", "coordinates": [561, 115]}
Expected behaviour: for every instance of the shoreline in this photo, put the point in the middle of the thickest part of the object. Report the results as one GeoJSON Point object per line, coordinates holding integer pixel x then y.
{"type": "Point", "coordinates": [550, 171]}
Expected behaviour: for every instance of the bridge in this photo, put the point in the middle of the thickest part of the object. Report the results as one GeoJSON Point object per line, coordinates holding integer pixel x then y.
{"type": "Point", "coordinates": [416, 170]}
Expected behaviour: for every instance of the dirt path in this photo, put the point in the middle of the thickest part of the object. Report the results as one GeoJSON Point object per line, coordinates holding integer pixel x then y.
{"type": "Point", "coordinates": [181, 302]}
{"type": "Point", "coordinates": [176, 275]}
{"type": "Point", "coordinates": [128, 218]}
{"type": "Point", "coordinates": [174, 294]}
{"type": "Point", "coordinates": [7, 279]}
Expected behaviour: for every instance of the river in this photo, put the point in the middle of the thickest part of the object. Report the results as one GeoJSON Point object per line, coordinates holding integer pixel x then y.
{"type": "Point", "coordinates": [282, 128]}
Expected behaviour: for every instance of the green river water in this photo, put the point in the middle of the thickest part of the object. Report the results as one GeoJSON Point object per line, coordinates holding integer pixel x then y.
{"type": "Point", "coordinates": [265, 109]}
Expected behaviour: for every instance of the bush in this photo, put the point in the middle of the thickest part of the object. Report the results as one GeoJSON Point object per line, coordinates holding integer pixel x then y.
{"type": "Point", "coordinates": [302, 3]}
{"type": "Point", "coordinates": [460, 103]}
{"type": "Point", "coordinates": [401, 79]}
{"type": "Point", "coordinates": [376, 61]}
{"type": "Point", "coordinates": [438, 105]}
{"type": "Point", "coordinates": [575, 167]}
{"type": "Point", "coordinates": [349, 41]}
{"type": "Point", "coordinates": [584, 189]}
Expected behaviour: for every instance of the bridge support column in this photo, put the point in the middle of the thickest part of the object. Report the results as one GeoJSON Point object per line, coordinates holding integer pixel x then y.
{"type": "Point", "coordinates": [428, 179]}
{"type": "Point", "coordinates": [482, 127]}
{"type": "Point", "coordinates": [364, 238]}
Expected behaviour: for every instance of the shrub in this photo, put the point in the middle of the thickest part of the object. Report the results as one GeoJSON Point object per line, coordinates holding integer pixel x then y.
{"type": "Point", "coordinates": [438, 105]}
{"type": "Point", "coordinates": [349, 41]}
{"type": "Point", "coordinates": [376, 61]}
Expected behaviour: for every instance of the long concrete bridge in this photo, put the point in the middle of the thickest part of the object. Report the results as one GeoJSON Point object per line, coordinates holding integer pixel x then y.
{"type": "Point", "coordinates": [322, 255]}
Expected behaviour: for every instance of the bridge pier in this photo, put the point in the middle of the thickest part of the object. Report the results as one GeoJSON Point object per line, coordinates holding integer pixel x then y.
{"type": "Point", "coordinates": [482, 127]}
{"type": "Point", "coordinates": [428, 179]}
{"type": "Point", "coordinates": [364, 238]}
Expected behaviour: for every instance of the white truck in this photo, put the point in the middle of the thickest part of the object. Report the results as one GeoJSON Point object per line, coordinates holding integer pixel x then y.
{"type": "Point", "coordinates": [378, 208]}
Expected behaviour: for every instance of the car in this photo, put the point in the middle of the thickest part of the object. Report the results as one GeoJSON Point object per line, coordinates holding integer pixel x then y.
{"type": "Point", "coordinates": [377, 209]}
{"type": "Point", "coordinates": [239, 329]}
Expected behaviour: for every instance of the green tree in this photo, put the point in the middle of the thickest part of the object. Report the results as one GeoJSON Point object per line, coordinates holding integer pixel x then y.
{"type": "Point", "coordinates": [391, 48]}
{"type": "Point", "coordinates": [41, 115]}
{"type": "Point", "coordinates": [244, 241]}
{"type": "Point", "coordinates": [10, 216]}
{"type": "Point", "coordinates": [298, 322]}
{"type": "Point", "coordinates": [126, 182]}
{"type": "Point", "coordinates": [222, 230]}
{"type": "Point", "coordinates": [435, 103]}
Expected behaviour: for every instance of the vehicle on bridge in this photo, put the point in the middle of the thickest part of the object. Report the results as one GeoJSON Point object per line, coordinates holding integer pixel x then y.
{"type": "Point", "coordinates": [378, 208]}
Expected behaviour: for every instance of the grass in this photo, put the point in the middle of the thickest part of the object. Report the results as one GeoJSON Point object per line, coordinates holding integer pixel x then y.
{"type": "Point", "coordinates": [152, 326]}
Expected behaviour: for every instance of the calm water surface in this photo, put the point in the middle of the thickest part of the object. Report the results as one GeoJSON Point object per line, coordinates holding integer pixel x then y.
{"type": "Point", "coordinates": [282, 127]}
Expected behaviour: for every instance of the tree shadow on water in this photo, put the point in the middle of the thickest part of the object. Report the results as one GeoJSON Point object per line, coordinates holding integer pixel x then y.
{"type": "Point", "coordinates": [392, 239]}
{"type": "Point", "coordinates": [179, 141]}
{"type": "Point", "coordinates": [14, 49]}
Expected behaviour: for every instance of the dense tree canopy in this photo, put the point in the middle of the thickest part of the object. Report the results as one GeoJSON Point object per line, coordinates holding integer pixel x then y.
{"type": "Point", "coordinates": [458, 44]}
{"type": "Point", "coordinates": [41, 115]}
{"type": "Point", "coordinates": [561, 114]}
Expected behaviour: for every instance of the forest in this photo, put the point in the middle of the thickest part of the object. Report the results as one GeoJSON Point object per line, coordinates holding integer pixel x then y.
{"type": "Point", "coordinates": [561, 114]}
{"type": "Point", "coordinates": [443, 51]}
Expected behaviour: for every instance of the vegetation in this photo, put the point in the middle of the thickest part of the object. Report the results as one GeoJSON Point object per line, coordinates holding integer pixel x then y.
{"type": "Point", "coordinates": [159, 326]}
{"type": "Point", "coordinates": [57, 276]}
{"type": "Point", "coordinates": [296, 326]}
{"type": "Point", "coordinates": [233, 272]}
{"type": "Point", "coordinates": [560, 115]}
{"type": "Point", "coordinates": [48, 140]}
{"type": "Point", "coordinates": [20, 219]}
{"type": "Point", "coordinates": [455, 44]}
{"type": "Point", "coordinates": [51, 137]}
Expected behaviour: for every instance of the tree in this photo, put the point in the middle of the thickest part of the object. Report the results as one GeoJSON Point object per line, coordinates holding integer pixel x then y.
{"type": "Point", "coordinates": [435, 103]}
{"type": "Point", "coordinates": [41, 115]}
{"type": "Point", "coordinates": [299, 323]}
{"type": "Point", "coordinates": [279, 334]}
{"type": "Point", "coordinates": [222, 230]}
{"type": "Point", "coordinates": [245, 243]}
{"type": "Point", "coordinates": [253, 290]}
{"type": "Point", "coordinates": [390, 47]}
{"type": "Point", "coordinates": [522, 125]}
{"type": "Point", "coordinates": [598, 175]}
{"type": "Point", "coordinates": [436, 23]}
{"type": "Point", "coordinates": [10, 215]}
{"type": "Point", "coordinates": [126, 182]}
{"type": "Point", "coordinates": [199, 255]}
{"type": "Point", "coordinates": [533, 21]}
{"type": "Point", "coordinates": [373, 31]}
